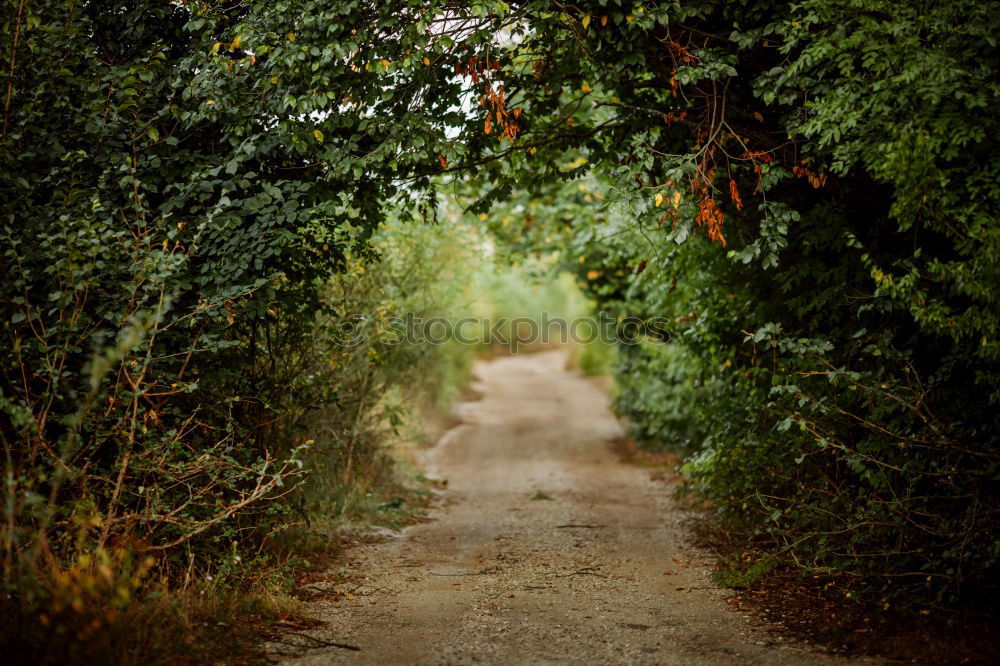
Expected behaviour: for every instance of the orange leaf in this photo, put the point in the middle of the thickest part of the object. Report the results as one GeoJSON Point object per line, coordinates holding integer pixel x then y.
{"type": "Point", "coordinates": [734, 194]}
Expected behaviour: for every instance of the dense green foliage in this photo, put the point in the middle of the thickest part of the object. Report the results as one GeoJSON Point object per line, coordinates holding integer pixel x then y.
{"type": "Point", "coordinates": [809, 190]}
{"type": "Point", "coordinates": [180, 246]}
{"type": "Point", "coordinates": [834, 373]}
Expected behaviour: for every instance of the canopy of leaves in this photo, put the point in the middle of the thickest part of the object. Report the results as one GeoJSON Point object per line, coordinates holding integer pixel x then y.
{"type": "Point", "coordinates": [809, 189]}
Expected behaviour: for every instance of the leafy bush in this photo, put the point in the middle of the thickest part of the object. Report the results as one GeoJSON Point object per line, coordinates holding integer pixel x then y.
{"type": "Point", "coordinates": [833, 373]}
{"type": "Point", "coordinates": [178, 201]}
{"type": "Point", "coordinates": [170, 270]}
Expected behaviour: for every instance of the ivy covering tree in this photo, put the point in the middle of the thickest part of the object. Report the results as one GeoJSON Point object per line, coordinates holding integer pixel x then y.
{"type": "Point", "coordinates": [809, 189]}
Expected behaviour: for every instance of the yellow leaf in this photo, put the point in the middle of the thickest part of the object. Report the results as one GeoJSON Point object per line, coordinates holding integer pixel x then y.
{"type": "Point", "coordinates": [593, 275]}
{"type": "Point", "coordinates": [532, 150]}
{"type": "Point", "coordinates": [585, 21]}
{"type": "Point", "coordinates": [274, 80]}
{"type": "Point", "coordinates": [385, 63]}
{"type": "Point", "coordinates": [236, 42]}
{"type": "Point", "coordinates": [658, 199]}
{"type": "Point", "coordinates": [604, 20]}
{"type": "Point", "coordinates": [759, 118]}
{"type": "Point", "coordinates": [585, 88]}
{"type": "Point", "coordinates": [291, 37]}
{"type": "Point", "coordinates": [483, 217]}
{"type": "Point", "coordinates": [209, 102]}
{"type": "Point", "coordinates": [677, 199]}
{"type": "Point", "coordinates": [427, 60]}
{"type": "Point", "coordinates": [318, 134]}
{"type": "Point", "coordinates": [215, 47]}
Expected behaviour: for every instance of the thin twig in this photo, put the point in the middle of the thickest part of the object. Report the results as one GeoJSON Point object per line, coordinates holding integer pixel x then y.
{"type": "Point", "coordinates": [559, 527]}
{"type": "Point", "coordinates": [343, 646]}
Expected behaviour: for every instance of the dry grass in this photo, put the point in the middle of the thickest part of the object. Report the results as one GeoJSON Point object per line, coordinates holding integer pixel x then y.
{"type": "Point", "coordinates": [196, 625]}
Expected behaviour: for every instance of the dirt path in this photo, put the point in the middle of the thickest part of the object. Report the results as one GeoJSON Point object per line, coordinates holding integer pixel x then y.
{"type": "Point", "coordinates": [599, 573]}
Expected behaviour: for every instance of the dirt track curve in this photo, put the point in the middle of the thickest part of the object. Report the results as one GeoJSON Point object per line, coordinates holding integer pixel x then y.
{"type": "Point", "coordinates": [599, 573]}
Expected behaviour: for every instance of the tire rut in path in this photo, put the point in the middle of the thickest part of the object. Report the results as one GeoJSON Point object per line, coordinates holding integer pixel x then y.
{"type": "Point", "coordinates": [549, 550]}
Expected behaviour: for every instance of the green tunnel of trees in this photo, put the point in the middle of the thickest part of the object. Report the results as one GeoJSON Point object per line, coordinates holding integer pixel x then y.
{"type": "Point", "coordinates": [808, 191]}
